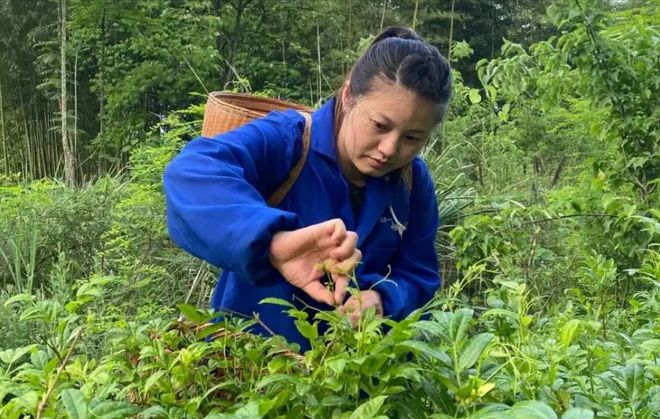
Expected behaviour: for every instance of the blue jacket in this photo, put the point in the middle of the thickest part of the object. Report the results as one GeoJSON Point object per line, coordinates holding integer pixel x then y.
{"type": "Point", "coordinates": [216, 191]}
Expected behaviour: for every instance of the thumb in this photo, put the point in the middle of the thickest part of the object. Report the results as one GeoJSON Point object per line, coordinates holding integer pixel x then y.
{"type": "Point", "coordinates": [319, 292]}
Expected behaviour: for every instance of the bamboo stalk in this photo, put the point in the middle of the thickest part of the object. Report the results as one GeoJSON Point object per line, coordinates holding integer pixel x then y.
{"type": "Point", "coordinates": [75, 107]}
{"type": "Point", "coordinates": [318, 56]}
{"type": "Point", "coordinates": [451, 30]}
{"type": "Point", "coordinates": [4, 137]}
{"type": "Point", "coordinates": [69, 168]}
{"type": "Point", "coordinates": [27, 161]}
{"type": "Point", "coordinates": [414, 22]}
{"type": "Point", "coordinates": [39, 136]}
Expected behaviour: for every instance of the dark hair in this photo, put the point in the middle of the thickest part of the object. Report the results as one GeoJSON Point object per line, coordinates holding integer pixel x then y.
{"type": "Point", "coordinates": [403, 57]}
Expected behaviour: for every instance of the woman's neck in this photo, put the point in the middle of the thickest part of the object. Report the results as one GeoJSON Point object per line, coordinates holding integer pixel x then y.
{"type": "Point", "coordinates": [348, 169]}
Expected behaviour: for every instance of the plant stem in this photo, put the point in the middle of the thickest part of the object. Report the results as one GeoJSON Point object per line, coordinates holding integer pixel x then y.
{"type": "Point", "coordinates": [451, 30]}
{"type": "Point", "coordinates": [51, 385]}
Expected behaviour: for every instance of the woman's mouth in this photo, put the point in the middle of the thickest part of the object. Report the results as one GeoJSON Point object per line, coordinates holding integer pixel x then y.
{"type": "Point", "coordinates": [377, 163]}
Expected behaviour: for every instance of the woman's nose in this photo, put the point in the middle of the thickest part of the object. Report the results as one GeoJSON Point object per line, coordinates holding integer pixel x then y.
{"type": "Point", "coordinates": [388, 145]}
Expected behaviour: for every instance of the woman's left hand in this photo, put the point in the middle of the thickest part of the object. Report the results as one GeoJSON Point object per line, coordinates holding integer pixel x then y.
{"type": "Point", "coordinates": [356, 306]}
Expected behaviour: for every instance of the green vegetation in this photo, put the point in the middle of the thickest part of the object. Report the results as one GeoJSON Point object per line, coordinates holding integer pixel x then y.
{"type": "Point", "coordinates": [547, 173]}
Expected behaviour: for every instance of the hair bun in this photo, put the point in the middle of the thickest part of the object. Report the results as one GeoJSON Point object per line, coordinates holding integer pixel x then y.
{"type": "Point", "coordinates": [396, 32]}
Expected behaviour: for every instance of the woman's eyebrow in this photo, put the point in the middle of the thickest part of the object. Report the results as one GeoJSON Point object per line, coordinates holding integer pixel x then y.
{"type": "Point", "coordinates": [389, 121]}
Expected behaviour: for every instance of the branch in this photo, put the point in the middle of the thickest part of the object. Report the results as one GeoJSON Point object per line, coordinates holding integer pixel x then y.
{"type": "Point", "coordinates": [51, 385]}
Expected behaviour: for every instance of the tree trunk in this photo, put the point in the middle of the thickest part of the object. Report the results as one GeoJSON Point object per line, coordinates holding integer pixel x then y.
{"type": "Point", "coordinates": [557, 175]}
{"type": "Point", "coordinates": [414, 22]}
{"type": "Point", "coordinates": [350, 25]}
{"type": "Point", "coordinates": [229, 72]}
{"type": "Point", "coordinates": [29, 162]}
{"type": "Point", "coordinates": [69, 163]}
{"type": "Point", "coordinates": [4, 137]}
{"type": "Point", "coordinates": [218, 38]}
{"type": "Point", "coordinates": [101, 136]}
{"type": "Point", "coordinates": [451, 30]}
{"type": "Point", "coordinates": [75, 109]}
{"type": "Point", "coordinates": [318, 57]}
{"type": "Point", "coordinates": [41, 142]}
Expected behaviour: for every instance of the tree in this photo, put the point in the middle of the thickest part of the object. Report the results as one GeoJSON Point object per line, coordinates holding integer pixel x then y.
{"type": "Point", "coordinates": [608, 58]}
{"type": "Point", "coordinates": [69, 162]}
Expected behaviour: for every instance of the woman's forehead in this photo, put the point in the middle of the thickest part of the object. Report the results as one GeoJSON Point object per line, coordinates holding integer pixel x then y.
{"type": "Point", "coordinates": [399, 105]}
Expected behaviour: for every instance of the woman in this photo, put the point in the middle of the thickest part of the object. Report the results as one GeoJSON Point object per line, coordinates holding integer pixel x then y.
{"type": "Point", "coordinates": [364, 203]}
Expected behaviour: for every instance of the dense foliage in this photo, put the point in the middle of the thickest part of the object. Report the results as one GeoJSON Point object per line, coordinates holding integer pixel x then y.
{"type": "Point", "coordinates": [547, 177]}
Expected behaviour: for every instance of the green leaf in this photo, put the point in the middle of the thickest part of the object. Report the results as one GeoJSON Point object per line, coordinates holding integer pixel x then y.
{"type": "Point", "coordinates": [578, 413]}
{"type": "Point", "coordinates": [373, 363]}
{"type": "Point", "coordinates": [19, 298]}
{"type": "Point", "coordinates": [569, 331]}
{"type": "Point", "coordinates": [459, 324]}
{"type": "Point", "coordinates": [503, 115]}
{"type": "Point", "coordinates": [276, 378]}
{"type": "Point", "coordinates": [492, 92]}
{"type": "Point", "coordinates": [307, 330]}
{"type": "Point", "coordinates": [475, 96]}
{"type": "Point", "coordinates": [651, 346]}
{"type": "Point", "coordinates": [40, 360]}
{"type": "Point", "coordinates": [10, 356]}
{"type": "Point", "coordinates": [191, 313]}
{"type": "Point", "coordinates": [634, 381]}
{"type": "Point", "coordinates": [531, 410]}
{"type": "Point", "coordinates": [277, 301]}
{"type": "Point", "coordinates": [151, 381]}
{"type": "Point", "coordinates": [425, 349]}
{"type": "Point", "coordinates": [369, 409]}
{"type": "Point", "coordinates": [209, 330]}
{"type": "Point", "coordinates": [249, 411]}
{"type": "Point", "coordinates": [155, 412]}
{"type": "Point", "coordinates": [500, 312]}
{"type": "Point", "coordinates": [110, 409]}
{"type": "Point", "coordinates": [493, 411]}
{"type": "Point", "coordinates": [75, 404]}
{"type": "Point", "coordinates": [337, 365]}
{"type": "Point", "coordinates": [473, 350]}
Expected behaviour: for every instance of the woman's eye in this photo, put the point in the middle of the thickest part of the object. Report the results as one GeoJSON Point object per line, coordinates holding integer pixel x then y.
{"type": "Point", "coordinates": [379, 126]}
{"type": "Point", "coordinates": [413, 138]}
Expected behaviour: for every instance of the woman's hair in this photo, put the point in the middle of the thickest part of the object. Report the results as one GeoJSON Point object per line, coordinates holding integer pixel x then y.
{"type": "Point", "coordinates": [401, 56]}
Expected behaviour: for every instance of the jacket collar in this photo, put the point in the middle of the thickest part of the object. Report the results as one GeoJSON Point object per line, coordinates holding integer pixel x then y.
{"type": "Point", "coordinates": [323, 130]}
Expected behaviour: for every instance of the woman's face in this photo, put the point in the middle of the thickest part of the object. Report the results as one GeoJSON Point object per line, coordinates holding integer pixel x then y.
{"type": "Point", "coordinates": [383, 130]}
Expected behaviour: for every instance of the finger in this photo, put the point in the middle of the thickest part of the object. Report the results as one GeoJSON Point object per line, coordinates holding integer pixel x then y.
{"type": "Point", "coordinates": [346, 248]}
{"type": "Point", "coordinates": [341, 283]}
{"type": "Point", "coordinates": [328, 235]}
{"type": "Point", "coordinates": [355, 318]}
{"type": "Point", "coordinates": [338, 231]}
{"type": "Point", "coordinates": [317, 291]}
{"type": "Point", "coordinates": [351, 305]}
{"type": "Point", "coordinates": [371, 299]}
{"type": "Point", "coordinates": [347, 266]}
{"type": "Point", "coordinates": [325, 266]}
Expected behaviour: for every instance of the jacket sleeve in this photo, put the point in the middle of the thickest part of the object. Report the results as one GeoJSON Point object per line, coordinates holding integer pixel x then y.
{"type": "Point", "coordinates": [414, 276]}
{"type": "Point", "coordinates": [215, 191]}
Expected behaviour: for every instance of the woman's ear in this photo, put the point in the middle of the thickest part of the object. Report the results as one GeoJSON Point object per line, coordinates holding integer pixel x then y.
{"type": "Point", "coordinates": [345, 94]}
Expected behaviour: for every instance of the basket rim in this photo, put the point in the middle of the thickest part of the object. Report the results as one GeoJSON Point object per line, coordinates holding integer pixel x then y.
{"type": "Point", "coordinates": [220, 96]}
{"type": "Point", "coordinates": [218, 102]}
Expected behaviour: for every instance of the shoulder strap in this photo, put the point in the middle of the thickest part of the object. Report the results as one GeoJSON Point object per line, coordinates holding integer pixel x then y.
{"type": "Point", "coordinates": [284, 188]}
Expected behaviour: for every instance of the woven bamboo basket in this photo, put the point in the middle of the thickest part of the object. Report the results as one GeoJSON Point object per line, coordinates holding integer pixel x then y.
{"type": "Point", "coordinates": [225, 111]}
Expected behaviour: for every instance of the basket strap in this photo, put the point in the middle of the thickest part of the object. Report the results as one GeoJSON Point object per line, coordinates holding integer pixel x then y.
{"type": "Point", "coordinates": [284, 188]}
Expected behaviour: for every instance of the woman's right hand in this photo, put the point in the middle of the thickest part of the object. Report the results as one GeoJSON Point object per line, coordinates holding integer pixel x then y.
{"type": "Point", "coordinates": [303, 256]}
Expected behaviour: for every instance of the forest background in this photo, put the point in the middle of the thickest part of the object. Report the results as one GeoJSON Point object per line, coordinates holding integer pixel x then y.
{"type": "Point", "coordinates": [547, 175]}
